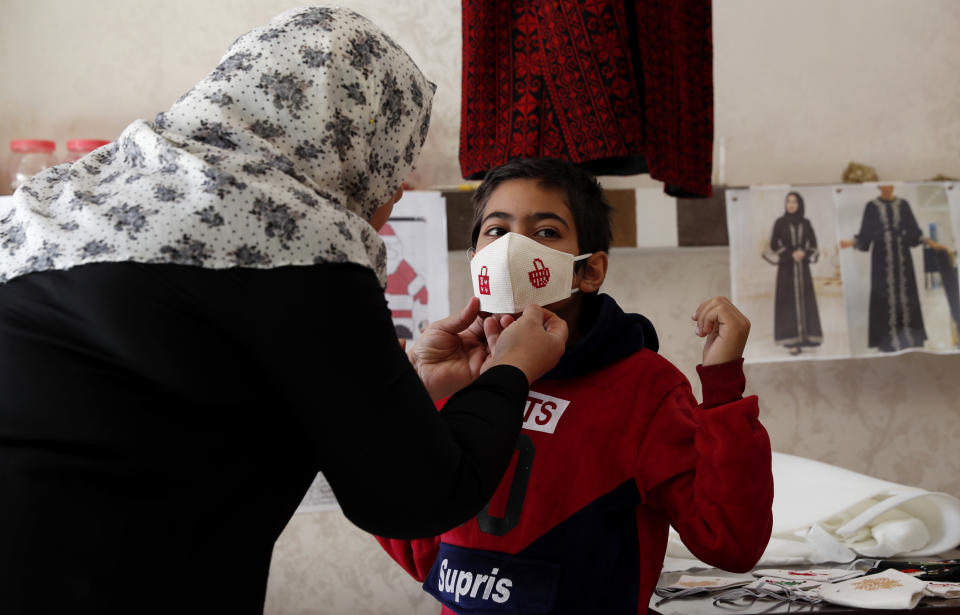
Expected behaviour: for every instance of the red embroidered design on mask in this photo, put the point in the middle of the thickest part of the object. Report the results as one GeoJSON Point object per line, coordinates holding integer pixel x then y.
{"type": "Point", "coordinates": [484, 280]}
{"type": "Point", "coordinates": [540, 275]}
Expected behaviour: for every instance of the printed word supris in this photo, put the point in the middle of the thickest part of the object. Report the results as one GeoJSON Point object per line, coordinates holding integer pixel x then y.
{"type": "Point", "coordinates": [462, 583]}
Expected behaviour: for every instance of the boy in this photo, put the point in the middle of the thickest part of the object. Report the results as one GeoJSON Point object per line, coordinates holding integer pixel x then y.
{"type": "Point", "coordinates": [614, 447]}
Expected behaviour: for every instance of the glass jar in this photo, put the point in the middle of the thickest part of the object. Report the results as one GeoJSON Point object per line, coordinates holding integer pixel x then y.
{"type": "Point", "coordinates": [30, 156]}
{"type": "Point", "coordinates": [78, 148]}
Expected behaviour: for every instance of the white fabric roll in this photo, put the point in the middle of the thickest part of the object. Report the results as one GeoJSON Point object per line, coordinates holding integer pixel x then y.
{"type": "Point", "coordinates": [824, 513]}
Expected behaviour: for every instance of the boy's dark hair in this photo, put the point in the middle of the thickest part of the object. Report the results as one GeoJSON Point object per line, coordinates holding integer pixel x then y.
{"type": "Point", "coordinates": [581, 193]}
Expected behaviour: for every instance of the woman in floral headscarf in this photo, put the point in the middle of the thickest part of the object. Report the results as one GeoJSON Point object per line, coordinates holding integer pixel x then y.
{"type": "Point", "coordinates": [192, 324]}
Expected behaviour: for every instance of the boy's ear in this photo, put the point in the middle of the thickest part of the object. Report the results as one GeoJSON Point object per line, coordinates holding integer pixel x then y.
{"type": "Point", "coordinates": [593, 272]}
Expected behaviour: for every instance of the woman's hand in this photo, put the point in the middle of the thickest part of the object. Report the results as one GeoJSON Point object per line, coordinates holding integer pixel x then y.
{"type": "Point", "coordinates": [726, 330]}
{"type": "Point", "coordinates": [452, 352]}
{"type": "Point", "coordinates": [798, 255]}
{"type": "Point", "coordinates": [533, 343]}
{"type": "Point", "coordinates": [449, 353]}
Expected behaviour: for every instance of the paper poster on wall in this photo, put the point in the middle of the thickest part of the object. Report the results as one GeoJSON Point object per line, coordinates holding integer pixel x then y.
{"type": "Point", "coordinates": [417, 276]}
{"type": "Point", "coordinates": [785, 272]}
{"type": "Point", "coordinates": [860, 269]}
{"type": "Point", "coordinates": [898, 257]}
{"type": "Point", "coordinates": [417, 287]}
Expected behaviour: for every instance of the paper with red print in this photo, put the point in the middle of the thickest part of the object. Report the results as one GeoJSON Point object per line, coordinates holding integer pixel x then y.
{"type": "Point", "coordinates": [820, 575]}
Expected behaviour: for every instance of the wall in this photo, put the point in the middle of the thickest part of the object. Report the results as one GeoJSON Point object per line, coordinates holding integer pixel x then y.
{"type": "Point", "coordinates": [802, 88]}
{"type": "Point", "coordinates": [86, 69]}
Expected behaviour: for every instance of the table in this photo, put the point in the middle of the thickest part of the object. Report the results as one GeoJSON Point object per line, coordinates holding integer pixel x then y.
{"type": "Point", "coordinates": [703, 605]}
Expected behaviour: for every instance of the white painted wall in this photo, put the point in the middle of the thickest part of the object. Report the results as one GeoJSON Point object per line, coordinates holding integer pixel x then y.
{"type": "Point", "coordinates": [804, 87]}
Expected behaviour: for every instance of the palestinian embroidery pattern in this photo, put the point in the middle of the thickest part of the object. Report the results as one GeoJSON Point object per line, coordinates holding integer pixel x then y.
{"type": "Point", "coordinates": [876, 583]}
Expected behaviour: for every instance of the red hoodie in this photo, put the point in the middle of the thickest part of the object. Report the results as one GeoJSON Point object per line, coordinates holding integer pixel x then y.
{"type": "Point", "coordinates": [606, 462]}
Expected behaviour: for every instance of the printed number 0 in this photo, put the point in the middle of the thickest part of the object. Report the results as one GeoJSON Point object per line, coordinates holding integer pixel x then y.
{"type": "Point", "coordinates": [518, 490]}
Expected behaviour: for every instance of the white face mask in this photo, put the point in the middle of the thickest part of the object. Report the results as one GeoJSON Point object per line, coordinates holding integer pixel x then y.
{"type": "Point", "coordinates": [890, 589]}
{"type": "Point", "coordinates": [515, 271]}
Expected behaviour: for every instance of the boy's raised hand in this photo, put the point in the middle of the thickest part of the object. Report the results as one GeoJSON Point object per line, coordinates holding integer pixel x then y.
{"type": "Point", "coordinates": [726, 330]}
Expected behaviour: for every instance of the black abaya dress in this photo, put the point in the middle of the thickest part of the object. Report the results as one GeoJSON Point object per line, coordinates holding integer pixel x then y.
{"type": "Point", "coordinates": [889, 230]}
{"type": "Point", "coordinates": [796, 318]}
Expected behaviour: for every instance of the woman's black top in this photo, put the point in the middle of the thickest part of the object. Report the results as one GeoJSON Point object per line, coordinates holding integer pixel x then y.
{"type": "Point", "coordinates": [159, 425]}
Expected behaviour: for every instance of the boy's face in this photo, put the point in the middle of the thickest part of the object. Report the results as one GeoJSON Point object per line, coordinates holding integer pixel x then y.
{"type": "Point", "coordinates": [522, 206]}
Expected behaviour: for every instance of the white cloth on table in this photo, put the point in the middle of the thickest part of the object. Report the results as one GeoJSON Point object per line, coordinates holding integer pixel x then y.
{"type": "Point", "coordinates": [824, 513]}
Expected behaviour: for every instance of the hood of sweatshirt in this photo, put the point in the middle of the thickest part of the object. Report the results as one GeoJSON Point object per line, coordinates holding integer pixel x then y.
{"type": "Point", "coordinates": [613, 335]}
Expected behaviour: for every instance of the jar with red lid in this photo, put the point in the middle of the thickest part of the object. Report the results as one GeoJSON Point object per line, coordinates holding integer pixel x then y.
{"type": "Point", "coordinates": [78, 148]}
{"type": "Point", "coordinates": [30, 156]}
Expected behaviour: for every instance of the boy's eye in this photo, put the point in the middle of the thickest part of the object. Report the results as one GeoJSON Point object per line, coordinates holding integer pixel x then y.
{"type": "Point", "coordinates": [495, 231]}
{"type": "Point", "coordinates": [546, 232]}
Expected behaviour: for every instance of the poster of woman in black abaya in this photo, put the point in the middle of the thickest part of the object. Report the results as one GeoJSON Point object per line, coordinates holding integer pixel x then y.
{"type": "Point", "coordinates": [796, 306]}
{"type": "Point", "coordinates": [793, 247]}
{"type": "Point", "coordinates": [948, 263]}
{"type": "Point", "coordinates": [895, 236]}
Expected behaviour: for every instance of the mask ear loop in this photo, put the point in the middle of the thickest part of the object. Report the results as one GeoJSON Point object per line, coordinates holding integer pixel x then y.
{"type": "Point", "coordinates": [576, 289]}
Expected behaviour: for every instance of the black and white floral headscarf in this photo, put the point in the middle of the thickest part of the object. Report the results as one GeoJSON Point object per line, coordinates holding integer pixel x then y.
{"type": "Point", "coordinates": [278, 157]}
